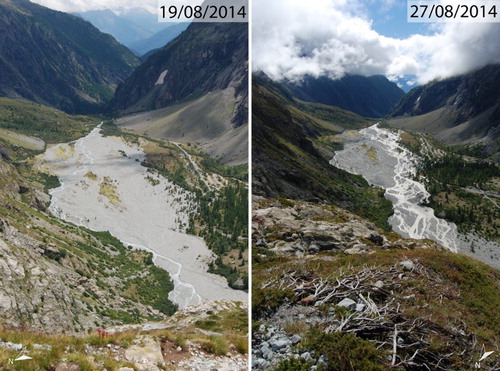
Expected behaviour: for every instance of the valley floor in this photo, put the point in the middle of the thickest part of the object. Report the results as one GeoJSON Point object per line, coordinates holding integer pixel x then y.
{"type": "Point", "coordinates": [380, 156]}
{"type": "Point", "coordinates": [104, 187]}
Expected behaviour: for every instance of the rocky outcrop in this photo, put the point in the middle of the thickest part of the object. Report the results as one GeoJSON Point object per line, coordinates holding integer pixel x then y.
{"type": "Point", "coordinates": [41, 289]}
{"type": "Point", "coordinates": [297, 228]}
{"type": "Point", "coordinates": [148, 351]}
{"type": "Point", "coordinates": [306, 228]}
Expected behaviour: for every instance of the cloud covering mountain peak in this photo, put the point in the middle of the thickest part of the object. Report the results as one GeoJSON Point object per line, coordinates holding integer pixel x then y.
{"type": "Point", "coordinates": [293, 38]}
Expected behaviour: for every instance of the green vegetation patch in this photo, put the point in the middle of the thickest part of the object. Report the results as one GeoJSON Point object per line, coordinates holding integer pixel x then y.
{"type": "Point", "coordinates": [47, 124]}
{"type": "Point", "coordinates": [345, 351]}
{"type": "Point", "coordinates": [61, 348]}
{"type": "Point", "coordinates": [466, 192]}
{"type": "Point", "coordinates": [49, 181]}
{"type": "Point", "coordinates": [212, 165]}
{"type": "Point", "coordinates": [224, 217]}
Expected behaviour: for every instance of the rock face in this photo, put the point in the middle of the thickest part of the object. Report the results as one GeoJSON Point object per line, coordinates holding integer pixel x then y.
{"type": "Point", "coordinates": [58, 59]}
{"type": "Point", "coordinates": [472, 94]}
{"type": "Point", "coordinates": [41, 290]}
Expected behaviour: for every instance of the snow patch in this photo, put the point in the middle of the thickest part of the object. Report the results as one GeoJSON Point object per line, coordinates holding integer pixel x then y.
{"type": "Point", "coordinates": [161, 78]}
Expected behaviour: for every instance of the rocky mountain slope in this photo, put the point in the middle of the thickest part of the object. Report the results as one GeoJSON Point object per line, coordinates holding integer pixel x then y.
{"type": "Point", "coordinates": [195, 89]}
{"type": "Point", "coordinates": [372, 96]}
{"type": "Point", "coordinates": [458, 110]}
{"type": "Point", "coordinates": [293, 142]}
{"type": "Point", "coordinates": [57, 59]}
{"type": "Point", "coordinates": [206, 57]}
{"type": "Point", "coordinates": [332, 291]}
{"type": "Point", "coordinates": [59, 278]}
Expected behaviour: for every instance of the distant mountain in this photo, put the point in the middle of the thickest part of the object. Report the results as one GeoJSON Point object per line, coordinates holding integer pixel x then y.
{"type": "Point", "coordinates": [142, 17]}
{"type": "Point", "coordinates": [137, 29]}
{"type": "Point", "coordinates": [204, 58]}
{"type": "Point", "coordinates": [159, 39]}
{"type": "Point", "coordinates": [458, 110]}
{"type": "Point", "coordinates": [122, 29]}
{"type": "Point", "coordinates": [58, 59]}
{"type": "Point", "coordinates": [372, 96]}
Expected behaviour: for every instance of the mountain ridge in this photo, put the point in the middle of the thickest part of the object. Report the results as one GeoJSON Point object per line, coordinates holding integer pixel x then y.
{"type": "Point", "coordinates": [57, 59]}
{"type": "Point", "coordinates": [124, 30]}
{"type": "Point", "coordinates": [461, 110]}
{"type": "Point", "coordinates": [372, 96]}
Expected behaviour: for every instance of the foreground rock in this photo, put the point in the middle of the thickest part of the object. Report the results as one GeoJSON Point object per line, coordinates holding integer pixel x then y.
{"type": "Point", "coordinates": [298, 228]}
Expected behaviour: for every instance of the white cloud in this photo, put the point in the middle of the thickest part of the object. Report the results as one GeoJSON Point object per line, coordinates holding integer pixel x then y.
{"type": "Point", "coordinates": [292, 38]}
{"type": "Point", "coordinates": [85, 5]}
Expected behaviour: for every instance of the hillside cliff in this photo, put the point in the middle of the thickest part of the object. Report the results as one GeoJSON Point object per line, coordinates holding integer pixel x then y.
{"type": "Point", "coordinates": [204, 58]}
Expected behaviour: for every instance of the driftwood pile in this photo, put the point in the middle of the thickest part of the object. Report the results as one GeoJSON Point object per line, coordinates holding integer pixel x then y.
{"type": "Point", "coordinates": [376, 313]}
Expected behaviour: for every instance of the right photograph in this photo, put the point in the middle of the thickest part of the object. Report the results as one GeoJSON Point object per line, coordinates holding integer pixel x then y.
{"type": "Point", "coordinates": [375, 185]}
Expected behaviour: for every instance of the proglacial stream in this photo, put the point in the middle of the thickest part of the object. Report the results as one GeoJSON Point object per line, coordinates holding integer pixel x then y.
{"type": "Point", "coordinates": [376, 154]}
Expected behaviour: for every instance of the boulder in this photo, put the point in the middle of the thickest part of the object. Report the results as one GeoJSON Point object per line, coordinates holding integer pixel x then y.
{"type": "Point", "coordinates": [407, 265]}
{"type": "Point", "coordinates": [347, 303]}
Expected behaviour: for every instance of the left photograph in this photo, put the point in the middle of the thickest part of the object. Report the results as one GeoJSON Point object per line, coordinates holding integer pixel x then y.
{"type": "Point", "coordinates": [123, 187]}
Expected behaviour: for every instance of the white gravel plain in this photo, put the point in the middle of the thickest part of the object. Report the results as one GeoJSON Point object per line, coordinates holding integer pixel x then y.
{"type": "Point", "coordinates": [105, 188]}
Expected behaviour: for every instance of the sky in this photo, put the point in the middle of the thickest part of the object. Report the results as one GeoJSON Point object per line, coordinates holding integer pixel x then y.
{"type": "Point", "coordinates": [73, 6]}
{"type": "Point", "coordinates": [294, 38]}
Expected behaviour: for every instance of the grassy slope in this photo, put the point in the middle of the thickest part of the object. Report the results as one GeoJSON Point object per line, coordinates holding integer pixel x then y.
{"type": "Point", "coordinates": [48, 124]}
{"type": "Point", "coordinates": [90, 352]}
{"type": "Point", "coordinates": [451, 293]}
